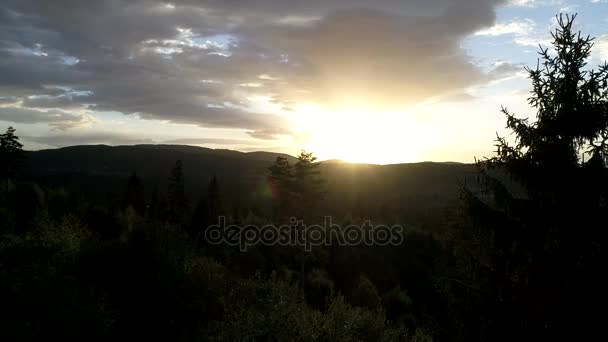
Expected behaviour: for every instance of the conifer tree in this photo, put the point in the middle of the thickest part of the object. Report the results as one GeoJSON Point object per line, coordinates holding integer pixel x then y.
{"type": "Point", "coordinates": [536, 230]}
{"type": "Point", "coordinates": [11, 154]}
{"type": "Point", "coordinates": [214, 202]}
{"type": "Point", "coordinates": [281, 181]}
{"type": "Point", "coordinates": [134, 195]}
{"type": "Point", "coordinates": [208, 209]}
{"type": "Point", "coordinates": [308, 184]}
{"type": "Point", "coordinates": [177, 193]}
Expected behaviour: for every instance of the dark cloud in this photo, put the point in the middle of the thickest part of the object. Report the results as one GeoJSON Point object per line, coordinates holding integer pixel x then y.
{"type": "Point", "coordinates": [375, 56]}
{"type": "Point", "coordinates": [109, 138]}
{"type": "Point", "coordinates": [505, 69]}
{"type": "Point", "coordinates": [200, 61]}
{"type": "Point", "coordinates": [57, 119]}
{"type": "Point", "coordinates": [61, 140]}
{"type": "Point", "coordinates": [64, 100]}
{"type": "Point", "coordinates": [8, 100]}
{"type": "Point", "coordinates": [207, 141]}
{"type": "Point", "coordinates": [267, 134]}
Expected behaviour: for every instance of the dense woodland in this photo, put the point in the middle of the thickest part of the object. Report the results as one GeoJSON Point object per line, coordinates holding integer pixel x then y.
{"type": "Point", "coordinates": [103, 243]}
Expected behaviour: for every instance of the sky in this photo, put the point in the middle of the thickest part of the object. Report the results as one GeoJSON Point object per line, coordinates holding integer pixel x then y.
{"type": "Point", "coordinates": [375, 81]}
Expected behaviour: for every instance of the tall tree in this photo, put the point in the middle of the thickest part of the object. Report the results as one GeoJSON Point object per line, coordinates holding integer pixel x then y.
{"type": "Point", "coordinates": [208, 209]}
{"type": "Point", "coordinates": [308, 184]}
{"type": "Point", "coordinates": [177, 194]}
{"type": "Point", "coordinates": [214, 201]}
{"type": "Point", "coordinates": [536, 241]}
{"type": "Point", "coordinates": [11, 154]}
{"type": "Point", "coordinates": [281, 181]}
{"type": "Point", "coordinates": [134, 194]}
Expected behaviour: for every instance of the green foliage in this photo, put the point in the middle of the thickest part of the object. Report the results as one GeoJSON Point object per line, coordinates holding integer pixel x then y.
{"type": "Point", "coordinates": [106, 272]}
{"type": "Point", "coordinates": [275, 310]}
{"type": "Point", "coordinates": [365, 294]}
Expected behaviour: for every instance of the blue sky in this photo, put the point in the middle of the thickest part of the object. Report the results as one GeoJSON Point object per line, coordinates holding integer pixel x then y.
{"type": "Point", "coordinates": [534, 19]}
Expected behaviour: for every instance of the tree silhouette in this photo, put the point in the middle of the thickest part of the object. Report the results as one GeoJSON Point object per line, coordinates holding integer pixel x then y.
{"type": "Point", "coordinates": [134, 195]}
{"type": "Point", "coordinates": [281, 181]}
{"type": "Point", "coordinates": [296, 189]}
{"type": "Point", "coordinates": [214, 201]}
{"type": "Point", "coordinates": [208, 209]}
{"type": "Point", "coordinates": [536, 244]}
{"type": "Point", "coordinates": [11, 154]}
{"type": "Point", "coordinates": [176, 193]}
{"type": "Point", "coordinates": [308, 184]}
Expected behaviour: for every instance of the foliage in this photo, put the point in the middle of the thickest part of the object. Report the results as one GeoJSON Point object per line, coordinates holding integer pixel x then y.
{"type": "Point", "coordinates": [134, 195]}
{"type": "Point", "coordinates": [296, 189]}
{"type": "Point", "coordinates": [97, 269]}
{"type": "Point", "coordinates": [535, 252]}
{"type": "Point", "coordinates": [11, 155]}
{"type": "Point", "coordinates": [76, 263]}
{"type": "Point", "coordinates": [281, 181]}
{"type": "Point", "coordinates": [176, 193]}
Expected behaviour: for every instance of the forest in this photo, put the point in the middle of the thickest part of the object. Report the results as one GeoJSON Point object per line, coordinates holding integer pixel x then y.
{"type": "Point", "coordinates": [112, 243]}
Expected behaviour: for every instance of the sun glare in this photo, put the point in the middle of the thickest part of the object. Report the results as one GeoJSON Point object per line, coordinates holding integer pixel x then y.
{"type": "Point", "coordinates": [359, 135]}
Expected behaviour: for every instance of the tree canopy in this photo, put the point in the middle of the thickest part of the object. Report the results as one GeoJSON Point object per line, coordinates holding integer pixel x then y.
{"type": "Point", "coordinates": [11, 153]}
{"type": "Point", "coordinates": [542, 230]}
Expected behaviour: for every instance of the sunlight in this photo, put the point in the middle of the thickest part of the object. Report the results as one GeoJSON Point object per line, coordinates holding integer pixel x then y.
{"type": "Point", "coordinates": [359, 135]}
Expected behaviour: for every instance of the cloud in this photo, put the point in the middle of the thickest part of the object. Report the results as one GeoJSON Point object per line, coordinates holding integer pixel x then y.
{"type": "Point", "coordinates": [524, 3]}
{"type": "Point", "coordinates": [8, 100]}
{"type": "Point", "coordinates": [200, 62]}
{"type": "Point", "coordinates": [99, 138]}
{"type": "Point", "coordinates": [267, 134]}
{"type": "Point", "coordinates": [525, 32]}
{"type": "Point", "coordinates": [569, 8]}
{"type": "Point", "coordinates": [113, 138]}
{"type": "Point", "coordinates": [207, 141]}
{"type": "Point", "coordinates": [57, 119]}
{"type": "Point", "coordinates": [67, 99]}
{"type": "Point", "coordinates": [372, 56]}
{"type": "Point", "coordinates": [518, 27]}
{"type": "Point", "coordinates": [600, 48]}
{"type": "Point", "coordinates": [505, 71]}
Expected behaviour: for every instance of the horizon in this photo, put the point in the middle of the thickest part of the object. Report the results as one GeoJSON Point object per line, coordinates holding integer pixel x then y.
{"type": "Point", "coordinates": [424, 80]}
{"type": "Point", "coordinates": [273, 170]}
{"type": "Point", "coordinates": [294, 156]}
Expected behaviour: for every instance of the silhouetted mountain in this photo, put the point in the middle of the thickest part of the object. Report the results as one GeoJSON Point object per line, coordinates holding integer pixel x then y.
{"type": "Point", "coordinates": [413, 193]}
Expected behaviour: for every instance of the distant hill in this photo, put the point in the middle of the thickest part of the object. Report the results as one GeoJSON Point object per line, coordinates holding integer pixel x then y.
{"type": "Point", "coordinates": [101, 169]}
{"type": "Point", "coordinates": [401, 192]}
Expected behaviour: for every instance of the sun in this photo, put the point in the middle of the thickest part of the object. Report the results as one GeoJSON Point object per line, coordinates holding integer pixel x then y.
{"type": "Point", "coordinates": [359, 135]}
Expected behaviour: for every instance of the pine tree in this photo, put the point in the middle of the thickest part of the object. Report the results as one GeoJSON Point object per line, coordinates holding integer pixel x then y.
{"type": "Point", "coordinates": [308, 184]}
{"type": "Point", "coordinates": [177, 193]}
{"type": "Point", "coordinates": [536, 231]}
{"type": "Point", "coordinates": [11, 154]}
{"type": "Point", "coordinates": [208, 210]}
{"type": "Point", "coordinates": [214, 202]}
{"type": "Point", "coordinates": [281, 181]}
{"type": "Point", "coordinates": [134, 195]}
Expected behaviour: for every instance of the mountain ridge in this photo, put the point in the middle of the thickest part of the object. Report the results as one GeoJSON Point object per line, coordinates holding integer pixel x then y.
{"type": "Point", "coordinates": [412, 191]}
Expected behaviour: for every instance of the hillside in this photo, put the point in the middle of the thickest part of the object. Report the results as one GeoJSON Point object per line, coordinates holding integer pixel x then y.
{"type": "Point", "coordinates": [412, 193]}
